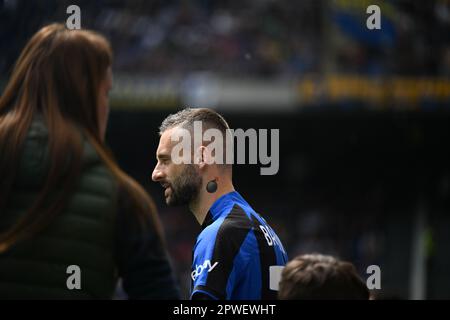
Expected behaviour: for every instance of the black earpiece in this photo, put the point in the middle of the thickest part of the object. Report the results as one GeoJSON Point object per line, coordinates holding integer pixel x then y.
{"type": "Point", "coordinates": [211, 187]}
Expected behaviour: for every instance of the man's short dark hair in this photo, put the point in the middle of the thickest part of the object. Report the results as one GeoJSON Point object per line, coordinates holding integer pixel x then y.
{"type": "Point", "coordinates": [209, 118]}
{"type": "Point", "coordinates": [186, 118]}
{"type": "Point", "coordinates": [316, 276]}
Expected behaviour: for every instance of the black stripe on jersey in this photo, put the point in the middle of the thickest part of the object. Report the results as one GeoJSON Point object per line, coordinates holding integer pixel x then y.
{"type": "Point", "coordinates": [208, 220]}
{"type": "Point", "coordinates": [267, 258]}
{"type": "Point", "coordinates": [230, 237]}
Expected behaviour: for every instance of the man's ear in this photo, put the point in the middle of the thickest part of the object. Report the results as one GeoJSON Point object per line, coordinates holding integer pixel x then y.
{"type": "Point", "coordinates": [201, 157]}
{"type": "Point", "coordinates": [204, 157]}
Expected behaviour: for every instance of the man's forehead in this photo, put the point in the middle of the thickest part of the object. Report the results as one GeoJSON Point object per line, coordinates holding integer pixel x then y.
{"type": "Point", "coordinates": [166, 135]}
{"type": "Point", "coordinates": [165, 142]}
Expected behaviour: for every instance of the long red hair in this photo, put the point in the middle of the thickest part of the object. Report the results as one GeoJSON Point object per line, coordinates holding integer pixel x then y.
{"type": "Point", "coordinates": [58, 75]}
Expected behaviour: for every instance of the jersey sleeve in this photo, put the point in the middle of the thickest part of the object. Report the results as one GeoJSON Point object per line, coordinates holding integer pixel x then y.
{"type": "Point", "coordinates": [209, 272]}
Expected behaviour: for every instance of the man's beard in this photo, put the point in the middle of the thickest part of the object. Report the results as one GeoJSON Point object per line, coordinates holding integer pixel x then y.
{"type": "Point", "coordinates": [185, 187]}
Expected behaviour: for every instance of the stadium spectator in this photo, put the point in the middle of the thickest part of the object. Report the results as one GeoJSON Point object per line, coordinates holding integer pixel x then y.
{"type": "Point", "coordinates": [315, 276]}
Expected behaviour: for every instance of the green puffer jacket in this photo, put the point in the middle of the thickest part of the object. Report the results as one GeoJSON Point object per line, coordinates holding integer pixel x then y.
{"type": "Point", "coordinates": [81, 235]}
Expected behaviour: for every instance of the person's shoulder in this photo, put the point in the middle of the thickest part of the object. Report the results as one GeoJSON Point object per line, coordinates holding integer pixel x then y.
{"type": "Point", "coordinates": [234, 225]}
{"type": "Point", "coordinates": [238, 218]}
{"type": "Point", "coordinates": [230, 229]}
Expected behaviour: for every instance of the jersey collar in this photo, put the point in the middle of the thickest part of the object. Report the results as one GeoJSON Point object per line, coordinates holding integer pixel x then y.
{"type": "Point", "coordinates": [222, 206]}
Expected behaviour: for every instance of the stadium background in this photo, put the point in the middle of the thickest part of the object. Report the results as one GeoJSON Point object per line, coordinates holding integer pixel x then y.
{"type": "Point", "coordinates": [363, 117]}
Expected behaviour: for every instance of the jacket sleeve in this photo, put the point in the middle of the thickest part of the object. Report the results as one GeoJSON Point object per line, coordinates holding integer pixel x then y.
{"type": "Point", "coordinates": [142, 259]}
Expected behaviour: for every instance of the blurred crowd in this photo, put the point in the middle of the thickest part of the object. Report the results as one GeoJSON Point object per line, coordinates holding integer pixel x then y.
{"type": "Point", "coordinates": [250, 37]}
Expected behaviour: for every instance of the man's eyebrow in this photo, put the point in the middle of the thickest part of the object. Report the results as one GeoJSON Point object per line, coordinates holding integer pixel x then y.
{"type": "Point", "coordinates": [162, 156]}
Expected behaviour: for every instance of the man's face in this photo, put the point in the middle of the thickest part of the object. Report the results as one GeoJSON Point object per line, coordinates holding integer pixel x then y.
{"type": "Point", "coordinates": [181, 182]}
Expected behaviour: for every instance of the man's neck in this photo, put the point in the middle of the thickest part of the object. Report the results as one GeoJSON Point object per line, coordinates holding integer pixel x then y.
{"type": "Point", "coordinates": [205, 200]}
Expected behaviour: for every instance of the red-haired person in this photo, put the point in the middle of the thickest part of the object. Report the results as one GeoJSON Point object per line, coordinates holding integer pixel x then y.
{"type": "Point", "coordinates": [63, 199]}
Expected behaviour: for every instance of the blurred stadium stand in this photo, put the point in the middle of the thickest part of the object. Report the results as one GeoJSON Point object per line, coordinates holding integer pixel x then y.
{"type": "Point", "coordinates": [363, 116]}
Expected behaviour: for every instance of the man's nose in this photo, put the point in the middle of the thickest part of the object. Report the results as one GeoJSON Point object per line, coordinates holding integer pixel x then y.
{"type": "Point", "coordinates": [157, 174]}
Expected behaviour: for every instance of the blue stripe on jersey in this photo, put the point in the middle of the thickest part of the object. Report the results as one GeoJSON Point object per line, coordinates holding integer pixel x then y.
{"type": "Point", "coordinates": [250, 288]}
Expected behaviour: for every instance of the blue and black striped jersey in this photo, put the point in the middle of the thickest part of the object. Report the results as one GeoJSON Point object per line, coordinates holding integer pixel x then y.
{"type": "Point", "coordinates": [237, 254]}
